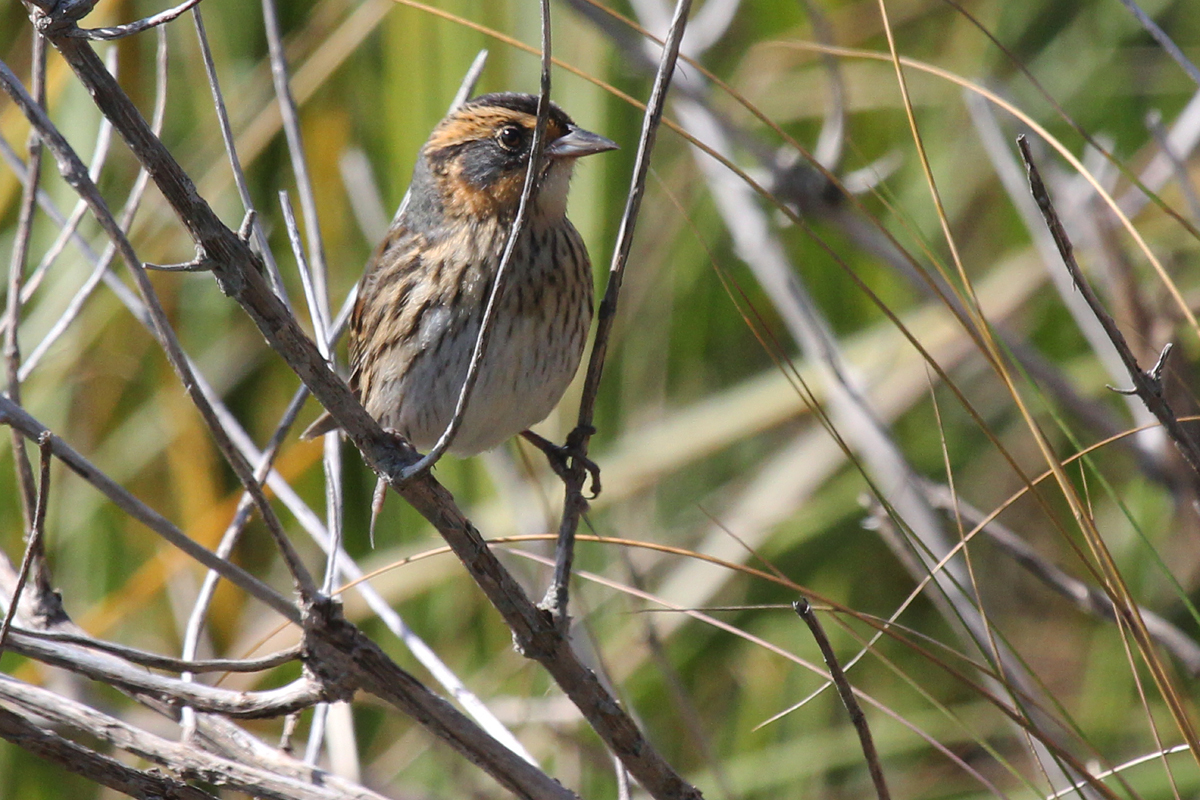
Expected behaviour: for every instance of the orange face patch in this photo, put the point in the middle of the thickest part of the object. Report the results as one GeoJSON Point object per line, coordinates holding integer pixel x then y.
{"type": "Point", "coordinates": [453, 150]}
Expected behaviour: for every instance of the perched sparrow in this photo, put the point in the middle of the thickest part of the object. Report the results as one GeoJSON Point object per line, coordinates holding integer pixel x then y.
{"type": "Point", "coordinates": [422, 298]}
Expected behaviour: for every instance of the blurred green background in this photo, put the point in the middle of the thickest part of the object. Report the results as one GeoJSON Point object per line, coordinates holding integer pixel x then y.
{"type": "Point", "coordinates": [704, 442]}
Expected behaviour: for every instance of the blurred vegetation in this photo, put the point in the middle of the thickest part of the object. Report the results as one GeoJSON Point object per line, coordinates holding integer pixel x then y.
{"type": "Point", "coordinates": [705, 444]}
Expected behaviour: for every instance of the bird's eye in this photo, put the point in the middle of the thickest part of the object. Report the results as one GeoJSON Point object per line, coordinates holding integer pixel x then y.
{"type": "Point", "coordinates": [510, 138]}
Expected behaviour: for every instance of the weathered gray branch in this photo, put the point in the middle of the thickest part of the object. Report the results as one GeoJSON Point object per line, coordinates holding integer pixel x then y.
{"type": "Point", "coordinates": [299, 694]}
{"type": "Point", "coordinates": [183, 759]}
{"type": "Point", "coordinates": [94, 766]}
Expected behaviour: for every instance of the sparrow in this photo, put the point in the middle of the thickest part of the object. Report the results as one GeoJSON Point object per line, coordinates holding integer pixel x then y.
{"type": "Point", "coordinates": [422, 297]}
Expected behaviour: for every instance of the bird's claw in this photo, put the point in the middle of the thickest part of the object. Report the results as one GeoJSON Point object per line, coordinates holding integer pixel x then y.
{"type": "Point", "coordinates": [559, 455]}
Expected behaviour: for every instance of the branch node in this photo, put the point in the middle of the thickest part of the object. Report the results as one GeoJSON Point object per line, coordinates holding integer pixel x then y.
{"type": "Point", "coordinates": [201, 263]}
{"type": "Point", "coordinates": [247, 227]}
{"type": "Point", "coordinates": [329, 645]}
{"type": "Point", "coordinates": [59, 19]}
{"type": "Point", "coordinates": [1156, 371]}
{"type": "Point", "coordinates": [545, 641]}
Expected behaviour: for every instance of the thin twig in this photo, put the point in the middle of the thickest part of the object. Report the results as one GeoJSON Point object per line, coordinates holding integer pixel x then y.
{"type": "Point", "coordinates": [156, 661]}
{"type": "Point", "coordinates": [804, 609]}
{"type": "Point", "coordinates": [301, 693]}
{"type": "Point", "coordinates": [1163, 40]}
{"type": "Point", "coordinates": [229, 540]}
{"type": "Point", "coordinates": [1183, 138]}
{"type": "Point", "coordinates": [130, 28]}
{"type": "Point", "coordinates": [574, 505]}
{"type": "Point", "coordinates": [832, 139]}
{"type": "Point", "coordinates": [33, 547]}
{"type": "Point", "coordinates": [295, 142]}
{"type": "Point", "coordinates": [1162, 138]}
{"type": "Point", "coordinates": [235, 163]}
{"type": "Point", "coordinates": [532, 177]}
{"type": "Point", "coordinates": [99, 156]}
{"type": "Point", "coordinates": [100, 269]}
{"type": "Point", "coordinates": [16, 272]}
{"type": "Point", "coordinates": [331, 460]}
{"type": "Point", "coordinates": [332, 455]}
{"type": "Point", "coordinates": [470, 78]}
{"type": "Point", "coordinates": [1149, 387]}
{"type": "Point", "coordinates": [1008, 169]}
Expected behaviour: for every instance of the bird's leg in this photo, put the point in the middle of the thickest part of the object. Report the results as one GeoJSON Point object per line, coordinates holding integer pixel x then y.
{"type": "Point", "coordinates": [555, 601]}
{"type": "Point", "coordinates": [558, 454]}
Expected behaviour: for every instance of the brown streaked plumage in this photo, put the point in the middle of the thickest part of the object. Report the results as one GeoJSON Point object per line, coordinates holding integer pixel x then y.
{"type": "Point", "coordinates": [422, 297]}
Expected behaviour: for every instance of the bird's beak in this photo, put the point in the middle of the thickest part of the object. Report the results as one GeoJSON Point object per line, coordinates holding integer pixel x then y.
{"type": "Point", "coordinates": [577, 142]}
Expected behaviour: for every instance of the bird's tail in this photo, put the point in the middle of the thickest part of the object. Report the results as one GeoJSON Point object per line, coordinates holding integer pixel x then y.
{"type": "Point", "coordinates": [323, 424]}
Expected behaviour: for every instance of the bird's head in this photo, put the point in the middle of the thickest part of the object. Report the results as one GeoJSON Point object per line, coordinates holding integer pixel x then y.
{"type": "Point", "coordinates": [478, 155]}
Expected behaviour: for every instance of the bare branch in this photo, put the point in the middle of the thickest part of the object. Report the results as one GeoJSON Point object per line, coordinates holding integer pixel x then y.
{"type": "Point", "coordinates": [94, 766]}
{"type": "Point", "coordinates": [1149, 387]}
{"type": "Point", "coordinates": [33, 547]}
{"type": "Point", "coordinates": [233, 532]}
{"type": "Point", "coordinates": [295, 142]}
{"type": "Point", "coordinates": [130, 28]}
{"type": "Point", "coordinates": [575, 504]}
{"type": "Point", "coordinates": [235, 163]}
{"type": "Point", "coordinates": [1163, 40]}
{"type": "Point", "coordinates": [302, 693]}
{"type": "Point", "coordinates": [199, 765]}
{"type": "Point", "coordinates": [156, 661]}
{"type": "Point", "coordinates": [804, 609]}
{"type": "Point", "coordinates": [1162, 138]}
{"type": "Point", "coordinates": [332, 462]}
{"type": "Point", "coordinates": [67, 230]}
{"type": "Point", "coordinates": [832, 140]}
{"type": "Point", "coordinates": [16, 273]}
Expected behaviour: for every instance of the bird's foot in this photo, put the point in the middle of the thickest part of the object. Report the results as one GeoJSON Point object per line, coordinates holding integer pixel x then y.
{"type": "Point", "coordinates": [558, 455]}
